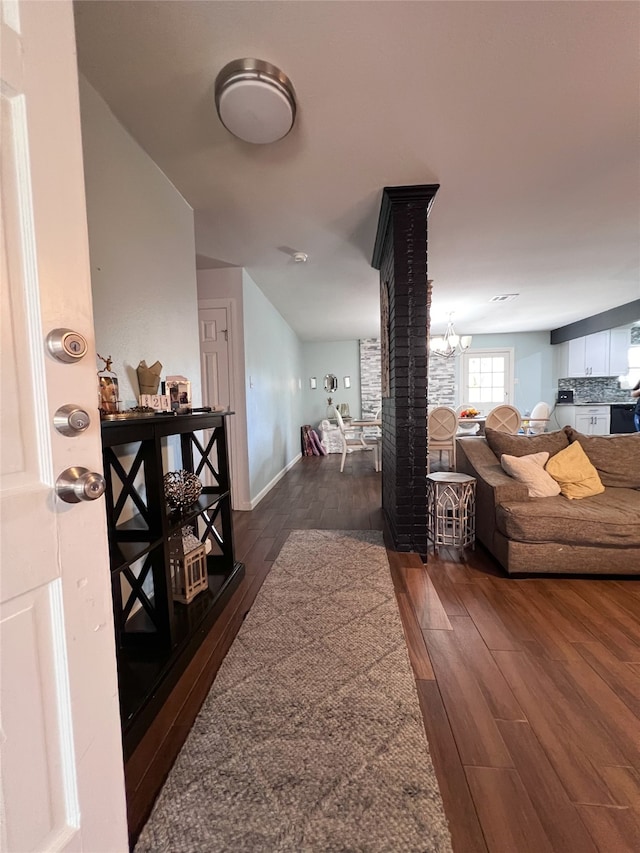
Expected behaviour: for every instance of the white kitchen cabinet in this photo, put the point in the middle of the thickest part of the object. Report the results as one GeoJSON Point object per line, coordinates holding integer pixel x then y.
{"type": "Point", "coordinates": [596, 354]}
{"type": "Point", "coordinates": [576, 357]}
{"type": "Point", "coordinates": [600, 354]}
{"type": "Point", "coordinates": [592, 420]}
{"type": "Point", "coordinates": [619, 344]}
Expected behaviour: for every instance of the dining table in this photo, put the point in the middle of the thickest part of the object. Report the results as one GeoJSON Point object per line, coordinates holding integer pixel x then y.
{"type": "Point", "coordinates": [479, 419]}
{"type": "Point", "coordinates": [371, 422]}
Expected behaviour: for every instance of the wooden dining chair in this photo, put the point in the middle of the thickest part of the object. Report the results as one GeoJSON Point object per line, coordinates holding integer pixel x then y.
{"type": "Point", "coordinates": [352, 440]}
{"type": "Point", "coordinates": [442, 425]}
{"type": "Point", "coordinates": [504, 418]}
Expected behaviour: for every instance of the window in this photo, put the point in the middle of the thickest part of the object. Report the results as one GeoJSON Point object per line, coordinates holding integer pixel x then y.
{"type": "Point", "coordinates": [487, 378]}
{"type": "Point", "coordinates": [630, 379]}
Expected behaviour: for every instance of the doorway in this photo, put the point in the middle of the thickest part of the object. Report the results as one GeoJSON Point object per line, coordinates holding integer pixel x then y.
{"type": "Point", "coordinates": [222, 368]}
{"type": "Point", "coordinates": [487, 378]}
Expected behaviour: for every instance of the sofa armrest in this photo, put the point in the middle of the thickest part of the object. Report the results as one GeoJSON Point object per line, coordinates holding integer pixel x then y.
{"type": "Point", "coordinates": [493, 485]}
{"type": "Point", "coordinates": [477, 459]}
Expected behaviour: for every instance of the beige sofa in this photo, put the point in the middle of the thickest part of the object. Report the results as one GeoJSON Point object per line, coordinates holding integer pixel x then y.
{"type": "Point", "coordinates": [599, 534]}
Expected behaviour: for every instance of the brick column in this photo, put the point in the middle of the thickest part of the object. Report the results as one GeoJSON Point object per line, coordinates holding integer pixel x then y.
{"type": "Point", "coordinates": [400, 253]}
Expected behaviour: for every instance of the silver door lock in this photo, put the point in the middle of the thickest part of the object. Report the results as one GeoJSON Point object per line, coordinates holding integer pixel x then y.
{"type": "Point", "coordinates": [71, 420]}
{"type": "Point", "coordinates": [66, 345]}
{"type": "Point", "coordinates": [79, 484]}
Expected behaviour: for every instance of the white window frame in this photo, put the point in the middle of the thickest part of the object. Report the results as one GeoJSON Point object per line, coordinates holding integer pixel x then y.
{"type": "Point", "coordinates": [509, 385]}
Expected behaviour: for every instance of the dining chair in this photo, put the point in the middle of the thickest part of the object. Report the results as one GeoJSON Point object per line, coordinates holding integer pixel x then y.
{"type": "Point", "coordinates": [352, 440]}
{"type": "Point", "coordinates": [540, 410]}
{"type": "Point", "coordinates": [442, 424]}
{"type": "Point", "coordinates": [504, 418]}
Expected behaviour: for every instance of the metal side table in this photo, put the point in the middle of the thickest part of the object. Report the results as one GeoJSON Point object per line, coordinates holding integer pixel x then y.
{"type": "Point", "coordinates": [451, 510]}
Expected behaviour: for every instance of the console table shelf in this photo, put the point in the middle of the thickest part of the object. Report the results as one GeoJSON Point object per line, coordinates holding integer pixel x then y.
{"type": "Point", "coordinates": [156, 637]}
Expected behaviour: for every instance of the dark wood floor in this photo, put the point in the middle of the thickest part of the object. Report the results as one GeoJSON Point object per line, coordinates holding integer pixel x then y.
{"type": "Point", "coordinates": [530, 688]}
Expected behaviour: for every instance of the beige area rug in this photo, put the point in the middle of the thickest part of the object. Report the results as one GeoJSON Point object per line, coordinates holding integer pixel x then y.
{"type": "Point", "coordinates": [311, 737]}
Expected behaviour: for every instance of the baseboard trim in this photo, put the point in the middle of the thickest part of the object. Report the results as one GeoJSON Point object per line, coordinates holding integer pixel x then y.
{"type": "Point", "coordinates": [247, 506]}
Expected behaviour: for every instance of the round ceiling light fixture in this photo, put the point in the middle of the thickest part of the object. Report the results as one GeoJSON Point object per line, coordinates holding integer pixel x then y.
{"type": "Point", "coordinates": [255, 101]}
{"type": "Point", "coordinates": [300, 257]}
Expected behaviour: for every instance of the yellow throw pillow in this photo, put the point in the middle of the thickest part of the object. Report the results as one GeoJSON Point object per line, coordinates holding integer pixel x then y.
{"type": "Point", "coordinates": [530, 471]}
{"type": "Point", "coordinates": [576, 475]}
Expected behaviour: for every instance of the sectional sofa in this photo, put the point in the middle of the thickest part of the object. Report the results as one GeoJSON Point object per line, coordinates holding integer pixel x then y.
{"type": "Point", "coordinates": [599, 534]}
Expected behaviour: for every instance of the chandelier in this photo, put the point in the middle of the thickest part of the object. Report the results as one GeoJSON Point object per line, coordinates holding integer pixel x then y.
{"type": "Point", "coordinates": [450, 344]}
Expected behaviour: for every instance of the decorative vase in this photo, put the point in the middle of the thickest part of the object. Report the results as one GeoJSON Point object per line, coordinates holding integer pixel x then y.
{"type": "Point", "coordinates": [181, 489]}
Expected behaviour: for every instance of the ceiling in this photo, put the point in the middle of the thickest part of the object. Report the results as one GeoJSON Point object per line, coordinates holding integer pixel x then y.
{"type": "Point", "coordinates": [526, 113]}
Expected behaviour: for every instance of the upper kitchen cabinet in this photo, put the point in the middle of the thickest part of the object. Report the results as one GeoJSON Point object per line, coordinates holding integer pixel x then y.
{"type": "Point", "coordinates": [599, 354]}
{"type": "Point", "coordinates": [619, 351]}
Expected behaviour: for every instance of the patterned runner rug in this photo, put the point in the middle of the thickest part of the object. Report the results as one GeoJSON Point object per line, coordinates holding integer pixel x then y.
{"type": "Point", "coordinates": [311, 738]}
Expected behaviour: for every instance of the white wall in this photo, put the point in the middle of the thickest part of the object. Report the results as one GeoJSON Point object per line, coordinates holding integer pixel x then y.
{"type": "Point", "coordinates": [342, 358]}
{"type": "Point", "coordinates": [141, 241]}
{"type": "Point", "coordinates": [273, 361]}
{"type": "Point", "coordinates": [223, 283]}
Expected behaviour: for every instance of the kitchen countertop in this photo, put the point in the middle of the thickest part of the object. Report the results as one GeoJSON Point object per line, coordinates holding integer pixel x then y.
{"type": "Point", "coordinates": [630, 402]}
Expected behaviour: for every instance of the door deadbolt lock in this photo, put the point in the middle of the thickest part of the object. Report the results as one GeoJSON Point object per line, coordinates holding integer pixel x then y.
{"type": "Point", "coordinates": [66, 345]}
{"type": "Point", "coordinates": [79, 484]}
{"type": "Point", "coordinates": [71, 420]}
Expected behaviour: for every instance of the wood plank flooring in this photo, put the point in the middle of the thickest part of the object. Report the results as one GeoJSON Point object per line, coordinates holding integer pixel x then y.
{"type": "Point", "coordinates": [529, 688]}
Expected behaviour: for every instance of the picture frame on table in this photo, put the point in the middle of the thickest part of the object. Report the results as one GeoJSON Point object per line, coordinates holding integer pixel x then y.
{"type": "Point", "coordinates": [178, 389]}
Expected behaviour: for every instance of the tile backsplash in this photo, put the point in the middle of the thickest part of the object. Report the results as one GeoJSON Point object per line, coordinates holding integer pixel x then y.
{"type": "Point", "coordinates": [597, 389]}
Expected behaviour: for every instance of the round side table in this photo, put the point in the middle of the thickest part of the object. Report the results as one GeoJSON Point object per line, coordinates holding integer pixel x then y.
{"type": "Point", "coordinates": [451, 509]}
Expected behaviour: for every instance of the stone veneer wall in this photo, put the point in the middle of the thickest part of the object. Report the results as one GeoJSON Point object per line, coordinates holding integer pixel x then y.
{"type": "Point", "coordinates": [442, 381]}
{"type": "Point", "coordinates": [370, 377]}
{"type": "Point", "coordinates": [441, 388]}
{"type": "Point", "coordinates": [598, 389]}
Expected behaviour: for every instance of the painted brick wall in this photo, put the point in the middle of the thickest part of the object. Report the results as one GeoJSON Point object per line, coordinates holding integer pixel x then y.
{"type": "Point", "coordinates": [403, 266]}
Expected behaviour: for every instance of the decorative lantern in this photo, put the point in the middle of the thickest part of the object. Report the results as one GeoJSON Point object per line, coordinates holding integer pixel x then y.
{"type": "Point", "coordinates": [188, 564]}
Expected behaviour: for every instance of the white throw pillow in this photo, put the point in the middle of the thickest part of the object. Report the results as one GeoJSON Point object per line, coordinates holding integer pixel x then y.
{"type": "Point", "coordinates": [530, 471]}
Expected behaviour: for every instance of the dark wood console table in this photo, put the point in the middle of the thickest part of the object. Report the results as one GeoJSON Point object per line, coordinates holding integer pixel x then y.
{"type": "Point", "coordinates": [155, 636]}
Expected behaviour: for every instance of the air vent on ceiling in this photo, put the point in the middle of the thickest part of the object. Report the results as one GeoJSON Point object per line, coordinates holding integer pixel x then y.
{"type": "Point", "coordinates": [504, 297]}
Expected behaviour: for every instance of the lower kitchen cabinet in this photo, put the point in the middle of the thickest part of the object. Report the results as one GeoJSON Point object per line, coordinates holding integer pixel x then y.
{"type": "Point", "coordinates": [589, 420]}
{"type": "Point", "coordinates": [593, 420]}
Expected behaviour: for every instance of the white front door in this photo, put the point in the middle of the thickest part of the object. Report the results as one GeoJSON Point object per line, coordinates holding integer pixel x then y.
{"type": "Point", "coordinates": [62, 785]}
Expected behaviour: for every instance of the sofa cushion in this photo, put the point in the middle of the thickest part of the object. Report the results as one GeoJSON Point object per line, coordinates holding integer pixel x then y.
{"type": "Point", "coordinates": [577, 476]}
{"type": "Point", "coordinates": [615, 457]}
{"type": "Point", "coordinates": [530, 471]}
{"type": "Point", "coordinates": [610, 518]}
{"type": "Point", "coordinates": [524, 445]}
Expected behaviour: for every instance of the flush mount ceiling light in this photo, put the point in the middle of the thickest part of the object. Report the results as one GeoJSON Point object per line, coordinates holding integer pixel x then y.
{"type": "Point", "coordinates": [255, 100]}
{"type": "Point", "coordinates": [300, 257]}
